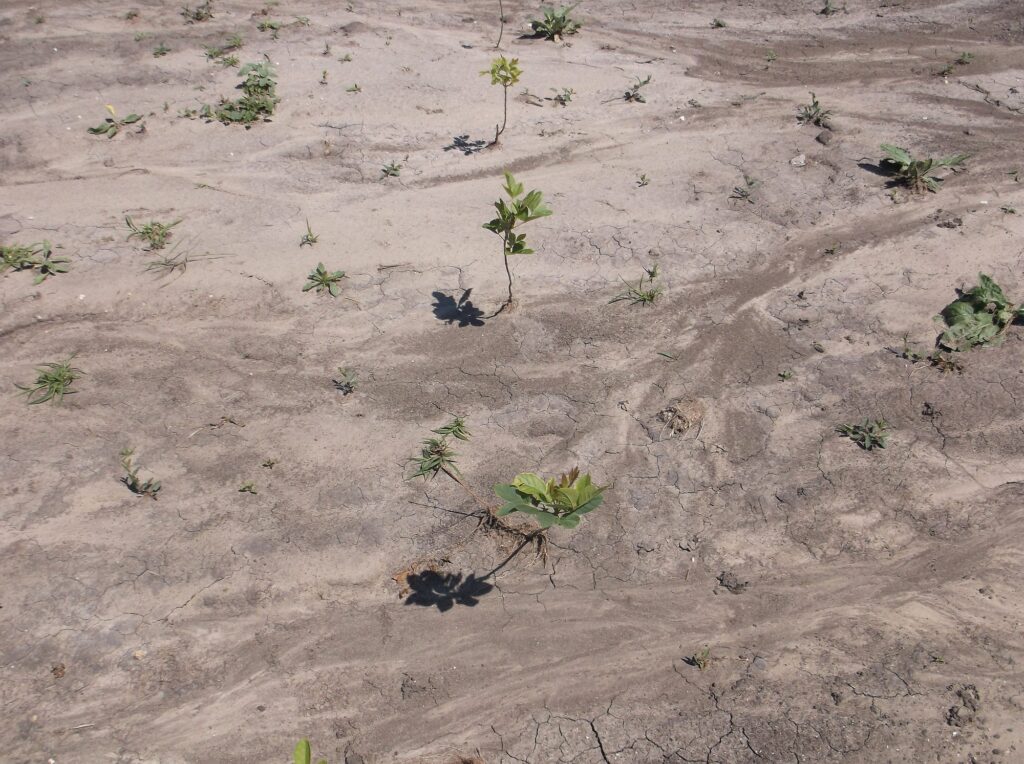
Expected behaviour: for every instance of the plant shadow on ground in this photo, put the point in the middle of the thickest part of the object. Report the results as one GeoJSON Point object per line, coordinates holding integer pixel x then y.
{"type": "Point", "coordinates": [881, 169]}
{"type": "Point", "coordinates": [465, 145]}
{"type": "Point", "coordinates": [445, 590]}
{"type": "Point", "coordinates": [461, 311]}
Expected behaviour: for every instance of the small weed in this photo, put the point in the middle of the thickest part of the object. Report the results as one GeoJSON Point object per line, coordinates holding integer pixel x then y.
{"type": "Point", "coordinates": [562, 97]}
{"type": "Point", "coordinates": [700, 660]}
{"type": "Point", "coordinates": [346, 382]}
{"type": "Point", "coordinates": [268, 463]}
{"type": "Point", "coordinates": [556, 24]}
{"type": "Point", "coordinates": [345, 59]}
{"type": "Point", "coordinates": [391, 170]}
{"type": "Point", "coordinates": [1008, 209]}
{"type": "Point", "coordinates": [259, 98]}
{"type": "Point", "coordinates": [718, 24]}
{"type": "Point", "coordinates": [638, 295]}
{"type": "Point", "coordinates": [964, 59]}
{"type": "Point", "coordinates": [354, 88]}
{"type": "Point", "coordinates": [518, 210]}
{"type": "Point", "coordinates": [746, 191]}
{"type": "Point", "coordinates": [918, 174]}
{"type": "Point", "coordinates": [202, 12]}
{"type": "Point", "coordinates": [52, 382]}
{"type": "Point", "coordinates": [944, 362]}
{"type": "Point", "coordinates": [869, 434]}
{"type": "Point", "coordinates": [47, 265]}
{"type": "Point", "coordinates": [304, 754]}
{"type": "Point", "coordinates": [269, 25]}
{"type": "Point", "coordinates": [813, 114]}
{"type": "Point", "coordinates": [323, 77]}
{"type": "Point", "coordinates": [831, 10]}
{"type": "Point", "coordinates": [324, 281]}
{"type": "Point", "coordinates": [771, 57]}
{"type": "Point", "coordinates": [327, 49]}
{"type": "Point", "coordinates": [302, 21]}
{"type": "Point", "coordinates": [139, 487]}
{"type": "Point", "coordinates": [435, 456]}
{"type": "Point", "coordinates": [308, 238]}
{"type": "Point", "coordinates": [111, 126]}
{"type": "Point", "coordinates": [633, 94]}
{"type": "Point", "coordinates": [504, 72]}
{"type": "Point", "coordinates": [642, 181]}
{"type": "Point", "coordinates": [979, 316]}
{"type": "Point", "coordinates": [248, 487]}
{"type": "Point", "coordinates": [222, 54]}
{"type": "Point", "coordinates": [38, 257]}
{"type": "Point", "coordinates": [160, 50]}
{"type": "Point", "coordinates": [786, 374]}
{"type": "Point", "coordinates": [154, 232]}
{"type": "Point", "coordinates": [551, 502]}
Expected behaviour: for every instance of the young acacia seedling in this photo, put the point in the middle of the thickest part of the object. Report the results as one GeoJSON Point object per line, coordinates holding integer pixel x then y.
{"type": "Point", "coordinates": [918, 174]}
{"type": "Point", "coordinates": [52, 382]}
{"type": "Point", "coordinates": [308, 238]}
{"type": "Point", "coordinates": [153, 232]}
{"type": "Point", "coordinates": [324, 281]}
{"type": "Point", "coordinates": [504, 72]}
{"type": "Point", "coordinates": [550, 502]}
{"type": "Point", "coordinates": [813, 114]}
{"type": "Point", "coordinates": [304, 754]}
{"type": "Point", "coordinates": [202, 12]}
{"type": "Point", "coordinates": [633, 94]}
{"type": "Point", "coordinates": [639, 295]}
{"type": "Point", "coordinates": [137, 486]}
{"type": "Point", "coordinates": [979, 316]}
{"type": "Point", "coordinates": [869, 434]}
{"type": "Point", "coordinates": [346, 382]}
{"type": "Point", "coordinates": [518, 210]}
{"type": "Point", "coordinates": [111, 126]}
{"type": "Point", "coordinates": [556, 24]}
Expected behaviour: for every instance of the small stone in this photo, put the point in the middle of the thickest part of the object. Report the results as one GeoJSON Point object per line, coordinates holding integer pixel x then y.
{"type": "Point", "coordinates": [824, 137]}
{"type": "Point", "coordinates": [798, 161]}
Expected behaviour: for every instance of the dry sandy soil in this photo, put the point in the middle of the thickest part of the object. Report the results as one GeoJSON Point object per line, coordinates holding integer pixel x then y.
{"type": "Point", "coordinates": [857, 606]}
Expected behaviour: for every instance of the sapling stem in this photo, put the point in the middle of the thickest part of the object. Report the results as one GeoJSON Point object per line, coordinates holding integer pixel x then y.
{"type": "Point", "coordinates": [501, 21]}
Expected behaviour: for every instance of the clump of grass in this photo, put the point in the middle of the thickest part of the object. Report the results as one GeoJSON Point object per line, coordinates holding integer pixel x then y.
{"type": "Point", "coordinates": [154, 232]}
{"type": "Point", "coordinates": [223, 54]}
{"type": "Point", "coordinates": [135, 484]}
{"type": "Point", "coordinates": [52, 382]}
{"type": "Point", "coordinates": [324, 281]}
{"type": "Point", "coordinates": [639, 294]}
{"type": "Point", "coordinates": [813, 114]}
{"type": "Point", "coordinates": [869, 434]}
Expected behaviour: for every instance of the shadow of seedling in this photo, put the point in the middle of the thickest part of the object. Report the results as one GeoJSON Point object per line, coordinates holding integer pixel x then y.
{"type": "Point", "coordinates": [881, 169]}
{"type": "Point", "coordinates": [445, 590]}
{"type": "Point", "coordinates": [461, 311]}
{"type": "Point", "coordinates": [465, 145]}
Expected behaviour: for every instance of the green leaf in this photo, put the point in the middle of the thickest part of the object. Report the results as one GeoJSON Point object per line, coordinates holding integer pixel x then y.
{"type": "Point", "coordinates": [896, 154]}
{"type": "Point", "coordinates": [131, 118]}
{"type": "Point", "coordinates": [988, 291]}
{"type": "Point", "coordinates": [303, 754]}
{"type": "Point", "coordinates": [512, 188]}
{"type": "Point", "coordinates": [532, 485]}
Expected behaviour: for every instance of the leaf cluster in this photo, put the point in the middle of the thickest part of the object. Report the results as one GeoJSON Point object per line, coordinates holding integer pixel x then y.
{"type": "Point", "coordinates": [561, 501]}
{"type": "Point", "coordinates": [519, 209]}
{"type": "Point", "coordinates": [640, 295]}
{"type": "Point", "coordinates": [137, 486]}
{"type": "Point", "coordinates": [52, 382]}
{"type": "Point", "coordinates": [918, 174]}
{"type": "Point", "coordinates": [869, 434]}
{"type": "Point", "coordinates": [258, 101]}
{"type": "Point", "coordinates": [556, 24]}
{"type": "Point", "coordinates": [324, 280]}
{"type": "Point", "coordinates": [979, 316]}
{"type": "Point", "coordinates": [504, 71]}
{"type": "Point", "coordinates": [38, 257]}
{"type": "Point", "coordinates": [111, 126]}
{"type": "Point", "coordinates": [223, 54]}
{"type": "Point", "coordinates": [436, 454]}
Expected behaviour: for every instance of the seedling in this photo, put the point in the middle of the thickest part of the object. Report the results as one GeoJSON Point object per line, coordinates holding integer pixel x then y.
{"type": "Point", "coordinates": [700, 660]}
{"type": "Point", "coordinates": [813, 114]}
{"type": "Point", "coordinates": [562, 97]}
{"type": "Point", "coordinates": [111, 126]}
{"type": "Point", "coordinates": [202, 12]}
{"type": "Point", "coordinates": [222, 54]}
{"type": "Point", "coordinates": [324, 281]}
{"type": "Point", "coordinates": [52, 382]}
{"type": "Point", "coordinates": [268, 463]}
{"type": "Point", "coordinates": [323, 77]}
{"type": "Point", "coordinates": [160, 50]}
{"type": "Point", "coordinates": [642, 181]}
{"type": "Point", "coordinates": [154, 232]}
{"type": "Point", "coordinates": [38, 257]}
{"type": "Point", "coordinates": [638, 295]}
{"type": "Point", "coordinates": [270, 25]}
{"type": "Point", "coordinates": [308, 238]}
{"type": "Point", "coordinates": [346, 382]}
{"type": "Point", "coordinates": [391, 170]}
{"type": "Point", "coordinates": [1008, 209]}
{"type": "Point", "coordinates": [550, 502]}
{"type": "Point", "coordinates": [718, 24]}
{"type": "Point", "coordinates": [869, 434]}
{"type": "Point", "coordinates": [746, 191]}
{"type": "Point", "coordinates": [345, 59]}
{"type": "Point", "coordinates": [964, 59]}
{"type": "Point", "coordinates": [770, 57]}
{"type": "Point", "coordinates": [831, 10]}
{"type": "Point", "coordinates": [139, 487]}
{"type": "Point", "coordinates": [633, 94]}
{"type": "Point", "coordinates": [786, 374]}
{"type": "Point", "coordinates": [354, 88]}
{"type": "Point", "coordinates": [944, 362]}
{"type": "Point", "coordinates": [131, 15]}
{"type": "Point", "coordinates": [304, 754]}
{"type": "Point", "coordinates": [248, 487]}
{"type": "Point", "coordinates": [327, 49]}
{"type": "Point", "coordinates": [504, 72]}
{"type": "Point", "coordinates": [556, 24]}
{"type": "Point", "coordinates": [518, 210]}
{"type": "Point", "coordinates": [435, 456]}
{"type": "Point", "coordinates": [48, 265]}
{"type": "Point", "coordinates": [259, 98]}
{"type": "Point", "coordinates": [918, 174]}
{"type": "Point", "coordinates": [979, 316]}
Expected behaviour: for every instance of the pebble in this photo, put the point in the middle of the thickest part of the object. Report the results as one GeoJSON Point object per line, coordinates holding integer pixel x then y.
{"type": "Point", "coordinates": [798, 161]}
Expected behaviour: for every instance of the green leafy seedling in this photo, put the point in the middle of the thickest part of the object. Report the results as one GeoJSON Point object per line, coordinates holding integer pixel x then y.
{"type": "Point", "coordinates": [202, 12]}
{"type": "Point", "coordinates": [18, 257]}
{"type": "Point", "coordinates": [561, 501]}
{"type": "Point", "coordinates": [153, 232]}
{"type": "Point", "coordinates": [642, 181]}
{"type": "Point", "coordinates": [38, 257]}
{"type": "Point", "coordinates": [639, 294]}
{"type": "Point", "coordinates": [258, 101]}
{"type": "Point", "coordinates": [46, 264]}
{"type": "Point", "coordinates": [518, 210]}
{"type": "Point", "coordinates": [562, 97]}
{"type": "Point", "coordinates": [980, 316]}
{"type": "Point", "coordinates": [160, 51]}
{"type": "Point", "coordinates": [700, 660]}
{"type": "Point", "coordinates": [633, 94]}
{"type": "Point", "coordinates": [391, 170]}
{"type": "Point", "coordinates": [786, 374]}
{"type": "Point", "coordinates": [136, 485]}
{"type": "Point", "coordinates": [436, 455]}
{"type": "Point", "coordinates": [869, 434]}
{"type": "Point", "coordinates": [111, 126]}
{"type": "Point", "coordinates": [556, 24]}
{"type": "Point", "coordinates": [918, 174]}
{"type": "Point", "coordinates": [346, 382]}
{"type": "Point", "coordinates": [52, 382]}
{"type": "Point", "coordinates": [813, 114]}
{"type": "Point", "coordinates": [304, 754]}
{"type": "Point", "coordinates": [505, 72]}
{"type": "Point", "coordinates": [455, 429]}
{"type": "Point", "coordinates": [324, 281]}
{"type": "Point", "coordinates": [308, 238]}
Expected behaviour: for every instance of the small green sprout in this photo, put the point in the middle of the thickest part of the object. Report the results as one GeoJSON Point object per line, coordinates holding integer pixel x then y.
{"type": "Point", "coordinates": [639, 295]}
{"type": "Point", "coordinates": [111, 126]}
{"type": "Point", "coordinates": [308, 238]}
{"type": "Point", "coordinates": [869, 434]}
{"type": "Point", "coordinates": [504, 72]}
{"type": "Point", "coordinates": [153, 232]}
{"type": "Point", "coordinates": [52, 382]}
{"type": "Point", "coordinates": [137, 486]}
{"type": "Point", "coordinates": [550, 502]}
{"type": "Point", "coordinates": [324, 281]}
